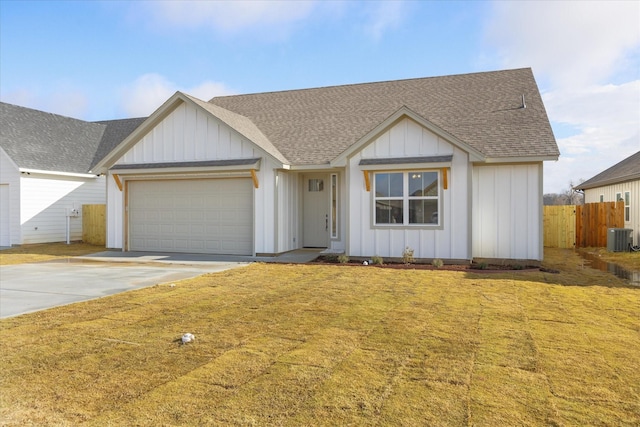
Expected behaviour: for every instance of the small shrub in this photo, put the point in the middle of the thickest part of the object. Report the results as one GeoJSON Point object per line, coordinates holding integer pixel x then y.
{"type": "Point", "coordinates": [518, 267]}
{"type": "Point", "coordinates": [331, 258]}
{"type": "Point", "coordinates": [377, 260]}
{"type": "Point", "coordinates": [437, 263]}
{"type": "Point", "coordinates": [407, 256]}
{"type": "Point", "coordinates": [343, 259]}
{"type": "Point", "coordinates": [482, 266]}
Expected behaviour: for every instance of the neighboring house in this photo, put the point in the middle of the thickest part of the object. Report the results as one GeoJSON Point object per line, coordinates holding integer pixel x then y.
{"type": "Point", "coordinates": [448, 166]}
{"type": "Point", "coordinates": [44, 172]}
{"type": "Point", "coordinates": [620, 182]}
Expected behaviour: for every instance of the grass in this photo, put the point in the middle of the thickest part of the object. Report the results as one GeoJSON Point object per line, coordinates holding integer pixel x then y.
{"type": "Point", "coordinates": [45, 252]}
{"type": "Point", "coordinates": [334, 345]}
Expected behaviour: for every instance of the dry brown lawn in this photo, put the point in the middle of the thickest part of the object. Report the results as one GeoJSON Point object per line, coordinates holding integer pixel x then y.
{"type": "Point", "coordinates": [46, 252]}
{"type": "Point", "coordinates": [335, 345]}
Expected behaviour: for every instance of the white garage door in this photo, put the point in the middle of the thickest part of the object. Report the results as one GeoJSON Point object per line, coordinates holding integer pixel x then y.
{"type": "Point", "coordinates": [213, 216]}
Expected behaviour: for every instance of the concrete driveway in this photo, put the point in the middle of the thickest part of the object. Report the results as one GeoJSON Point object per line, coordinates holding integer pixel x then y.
{"type": "Point", "coordinates": [25, 288]}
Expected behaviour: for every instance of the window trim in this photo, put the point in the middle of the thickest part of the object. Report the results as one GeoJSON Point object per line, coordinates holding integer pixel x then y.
{"type": "Point", "coordinates": [406, 198]}
{"type": "Point", "coordinates": [627, 206]}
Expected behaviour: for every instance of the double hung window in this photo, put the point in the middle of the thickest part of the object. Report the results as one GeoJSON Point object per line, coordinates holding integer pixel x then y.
{"type": "Point", "coordinates": [407, 198]}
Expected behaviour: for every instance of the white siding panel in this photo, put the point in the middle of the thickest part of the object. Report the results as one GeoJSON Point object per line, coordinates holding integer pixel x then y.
{"type": "Point", "coordinates": [44, 204]}
{"type": "Point", "coordinates": [288, 212]}
{"type": "Point", "coordinates": [5, 215]}
{"type": "Point", "coordinates": [187, 134]}
{"type": "Point", "coordinates": [10, 177]}
{"type": "Point", "coordinates": [115, 214]}
{"type": "Point", "coordinates": [609, 195]}
{"type": "Point", "coordinates": [451, 241]}
{"type": "Point", "coordinates": [506, 212]}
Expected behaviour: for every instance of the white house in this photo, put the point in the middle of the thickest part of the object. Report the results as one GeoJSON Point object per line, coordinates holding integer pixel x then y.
{"type": "Point", "coordinates": [44, 172]}
{"type": "Point", "coordinates": [619, 182]}
{"type": "Point", "coordinates": [449, 166]}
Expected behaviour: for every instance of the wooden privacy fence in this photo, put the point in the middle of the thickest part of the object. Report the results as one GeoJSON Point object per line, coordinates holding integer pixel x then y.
{"type": "Point", "coordinates": [94, 225]}
{"type": "Point", "coordinates": [593, 220]}
{"type": "Point", "coordinates": [560, 226]}
{"type": "Point", "coordinates": [582, 225]}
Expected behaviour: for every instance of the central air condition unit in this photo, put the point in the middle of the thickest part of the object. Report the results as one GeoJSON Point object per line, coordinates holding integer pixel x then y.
{"type": "Point", "coordinates": [619, 239]}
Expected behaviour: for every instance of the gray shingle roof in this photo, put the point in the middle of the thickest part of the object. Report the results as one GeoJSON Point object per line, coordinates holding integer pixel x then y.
{"type": "Point", "coordinates": [626, 170]}
{"type": "Point", "coordinates": [313, 126]}
{"type": "Point", "coordinates": [38, 140]}
{"type": "Point", "coordinates": [50, 142]}
{"type": "Point", "coordinates": [115, 133]}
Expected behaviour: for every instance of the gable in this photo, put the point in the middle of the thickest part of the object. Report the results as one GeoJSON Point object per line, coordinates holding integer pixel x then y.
{"type": "Point", "coordinates": [189, 134]}
{"type": "Point", "coordinates": [406, 139]}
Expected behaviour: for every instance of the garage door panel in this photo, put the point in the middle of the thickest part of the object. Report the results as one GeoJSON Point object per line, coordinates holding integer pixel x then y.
{"type": "Point", "coordinates": [200, 216]}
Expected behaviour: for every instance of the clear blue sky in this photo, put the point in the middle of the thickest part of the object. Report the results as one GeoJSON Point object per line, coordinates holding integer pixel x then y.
{"type": "Point", "coordinates": [102, 60]}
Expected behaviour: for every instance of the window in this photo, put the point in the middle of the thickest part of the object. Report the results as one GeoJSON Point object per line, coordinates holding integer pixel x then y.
{"type": "Point", "coordinates": [316, 185]}
{"type": "Point", "coordinates": [601, 198]}
{"type": "Point", "coordinates": [627, 206]}
{"type": "Point", "coordinates": [406, 198]}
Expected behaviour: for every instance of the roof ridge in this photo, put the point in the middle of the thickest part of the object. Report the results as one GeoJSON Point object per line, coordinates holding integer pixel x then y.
{"type": "Point", "coordinates": [367, 83]}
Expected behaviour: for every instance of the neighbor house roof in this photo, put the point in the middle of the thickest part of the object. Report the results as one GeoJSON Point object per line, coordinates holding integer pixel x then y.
{"type": "Point", "coordinates": [44, 141]}
{"type": "Point", "coordinates": [626, 170]}
{"type": "Point", "coordinates": [49, 142]}
{"type": "Point", "coordinates": [115, 133]}
{"type": "Point", "coordinates": [483, 110]}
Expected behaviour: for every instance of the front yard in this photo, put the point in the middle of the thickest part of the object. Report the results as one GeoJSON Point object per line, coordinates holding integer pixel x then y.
{"type": "Point", "coordinates": [335, 345]}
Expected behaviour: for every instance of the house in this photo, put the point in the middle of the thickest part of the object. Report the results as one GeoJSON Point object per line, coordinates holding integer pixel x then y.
{"type": "Point", "coordinates": [620, 182]}
{"type": "Point", "coordinates": [44, 172]}
{"type": "Point", "coordinates": [450, 167]}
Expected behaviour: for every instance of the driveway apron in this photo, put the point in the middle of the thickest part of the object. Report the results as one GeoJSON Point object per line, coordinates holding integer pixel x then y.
{"type": "Point", "coordinates": [26, 288]}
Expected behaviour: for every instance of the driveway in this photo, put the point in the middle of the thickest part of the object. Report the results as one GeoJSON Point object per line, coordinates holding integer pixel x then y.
{"type": "Point", "coordinates": [25, 288]}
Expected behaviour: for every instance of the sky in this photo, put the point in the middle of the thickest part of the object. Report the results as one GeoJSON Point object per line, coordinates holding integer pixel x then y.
{"type": "Point", "coordinates": [102, 60]}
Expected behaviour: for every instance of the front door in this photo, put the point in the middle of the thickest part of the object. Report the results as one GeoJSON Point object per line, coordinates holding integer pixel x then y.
{"type": "Point", "coordinates": [316, 210]}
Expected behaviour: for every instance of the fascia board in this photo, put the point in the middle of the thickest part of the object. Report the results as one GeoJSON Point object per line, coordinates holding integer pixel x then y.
{"type": "Point", "coordinates": [606, 182]}
{"type": "Point", "coordinates": [521, 159]}
{"type": "Point", "coordinates": [325, 166]}
{"type": "Point", "coordinates": [404, 111]}
{"type": "Point", "coordinates": [57, 173]}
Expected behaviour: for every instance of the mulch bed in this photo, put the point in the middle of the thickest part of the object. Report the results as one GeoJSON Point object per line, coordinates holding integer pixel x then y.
{"type": "Point", "coordinates": [472, 268]}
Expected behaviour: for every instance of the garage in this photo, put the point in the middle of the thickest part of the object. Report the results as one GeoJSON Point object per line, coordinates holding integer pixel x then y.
{"type": "Point", "coordinates": [213, 216]}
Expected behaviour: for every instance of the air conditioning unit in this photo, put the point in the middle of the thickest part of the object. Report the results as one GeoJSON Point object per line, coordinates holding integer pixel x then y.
{"type": "Point", "coordinates": [619, 239]}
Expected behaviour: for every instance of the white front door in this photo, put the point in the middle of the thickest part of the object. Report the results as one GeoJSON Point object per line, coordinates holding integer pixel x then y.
{"type": "Point", "coordinates": [316, 210]}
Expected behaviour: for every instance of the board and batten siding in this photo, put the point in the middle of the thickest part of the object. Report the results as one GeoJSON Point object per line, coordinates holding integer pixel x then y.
{"type": "Point", "coordinates": [592, 195]}
{"type": "Point", "coordinates": [507, 211]}
{"type": "Point", "coordinates": [45, 201]}
{"type": "Point", "coordinates": [287, 211]}
{"type": "Point", "coordinates": [450, 241]}
{"type": "Point", "coordinates": [10, 211]}
{"type": "Point", "coordinates": [188, 134]}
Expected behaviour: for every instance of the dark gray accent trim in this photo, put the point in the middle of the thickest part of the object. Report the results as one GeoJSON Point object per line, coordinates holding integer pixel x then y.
{"type": "Point", "coordinates": [406, 160]}
{"type": "Point", "coordinates": [203, 164]}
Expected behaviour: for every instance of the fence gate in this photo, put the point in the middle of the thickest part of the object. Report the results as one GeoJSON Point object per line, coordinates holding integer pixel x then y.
{"type": "Point", "coordinates": [94, 224]}
{"type": "Point", "coordinates": [560, 226]}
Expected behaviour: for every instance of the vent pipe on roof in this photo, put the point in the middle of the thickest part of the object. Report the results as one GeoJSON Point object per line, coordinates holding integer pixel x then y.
{"type": "Point", "coordinates": [524, 104]}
